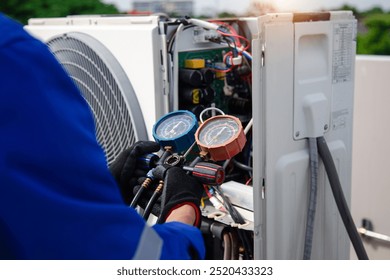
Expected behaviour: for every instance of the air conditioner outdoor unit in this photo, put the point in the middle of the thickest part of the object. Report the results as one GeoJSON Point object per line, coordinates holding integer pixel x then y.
{"type": "Point", "coordinates": [294, 81]}
{"type": "Point", "coordinates": [115, 61]}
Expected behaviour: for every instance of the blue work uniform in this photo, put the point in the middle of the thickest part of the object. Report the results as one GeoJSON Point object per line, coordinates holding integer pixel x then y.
{"type": "Point", "coordinates": [58, 199]}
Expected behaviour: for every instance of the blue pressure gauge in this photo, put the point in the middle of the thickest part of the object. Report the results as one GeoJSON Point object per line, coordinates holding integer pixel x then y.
{"type": "Point", "coordinates": [176, 129]}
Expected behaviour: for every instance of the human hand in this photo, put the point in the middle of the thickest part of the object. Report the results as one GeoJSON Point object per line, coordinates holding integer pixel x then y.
{"type": "Point", "coordinates": [124, 168]}
{"type": "Point", "coordinates": [180, 189]}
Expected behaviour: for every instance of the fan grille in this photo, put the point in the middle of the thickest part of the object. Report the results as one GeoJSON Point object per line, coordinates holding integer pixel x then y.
{"type": "Point", "coordinates": [105, 86]}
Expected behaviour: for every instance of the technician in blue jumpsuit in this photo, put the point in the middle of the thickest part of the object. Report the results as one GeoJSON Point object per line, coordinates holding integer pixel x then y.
{"type": "Point", "coordinates": [58, 199]}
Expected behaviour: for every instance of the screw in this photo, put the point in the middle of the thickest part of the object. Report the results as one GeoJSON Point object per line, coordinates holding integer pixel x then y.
{"type": "Point", "coordinates": [326, 127]}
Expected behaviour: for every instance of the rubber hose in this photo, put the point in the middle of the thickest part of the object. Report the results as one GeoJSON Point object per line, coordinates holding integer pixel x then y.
{"type": "Point", "coordinates": [235, 246]}
{"type": "Point", "coordinates": [137, 197]}
{"type": "Point", "coordinates": [338, 195]}
{"type": "Point", "coordinates": [237, 218]}
{"type": "Point", "coordinates": [311, 211]}
{"type": "Point", "coordinates": [227, 246]}
{"type": "Point", "coordinates": [242, 166]}
{"type": "Point", "coordinates": [149, 206]}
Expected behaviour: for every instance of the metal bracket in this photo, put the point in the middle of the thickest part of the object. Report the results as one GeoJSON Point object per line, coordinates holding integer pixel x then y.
{"type": "Point", "coordinates": [366, 231]}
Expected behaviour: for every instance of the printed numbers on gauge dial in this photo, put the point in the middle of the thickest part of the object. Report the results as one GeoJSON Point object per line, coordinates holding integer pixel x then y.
{"type": "Point", "coordinates": [174, 126]}
{"type": "Point", "coordinates": [176, 130]}
{"type": "Point", "coordinates": [218, 132]}
{"type": "Point", "coordinates": [221, 137]}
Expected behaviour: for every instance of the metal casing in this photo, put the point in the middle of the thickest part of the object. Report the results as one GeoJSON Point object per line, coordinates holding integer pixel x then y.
{"type": "Point", "coordinates": [133, 41]}
{"type": "Point", "coordinates": [297, 58]}
{"type": "Point", "coordinates": [228, 149]}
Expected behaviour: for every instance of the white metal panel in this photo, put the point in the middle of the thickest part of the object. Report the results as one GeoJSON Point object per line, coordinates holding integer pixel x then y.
{"type": "Point", "coordinates": [312, 86]}
{"type": "Point", "coordinates": [133, 41]}
{"type": "Point", "coordinates": [371, 150]}
{"type": "Point", "coordinates": [281, 160]}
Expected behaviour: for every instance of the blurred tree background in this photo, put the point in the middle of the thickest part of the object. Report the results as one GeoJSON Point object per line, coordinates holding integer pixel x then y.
{"type": "Point", "coordinates": [373, 25]}
{"type": "Point", "coordinates": [373, 30]}
{"type": "Point", "coordinates": [22, 10]}
{"type": "Point", "coordinates": [375, 39]}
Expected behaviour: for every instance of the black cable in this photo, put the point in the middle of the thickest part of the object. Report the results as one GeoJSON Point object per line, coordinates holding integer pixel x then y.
{"type": "Point", "coordinates": [137, 197]}
{"type": "Point", "coordinates": [149, 206]}
{"type": "Point", "coordinates": [237, 218]}
{"type": "Point", "coordinates": [311, 211]}
{"type": "Point", "coordinates": [242, 166]}
{"type": "Point", "coordinates": [338, 195]}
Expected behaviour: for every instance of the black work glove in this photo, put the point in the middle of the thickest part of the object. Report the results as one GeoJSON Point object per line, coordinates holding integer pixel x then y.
{"type": "Point", "coordinates": [124, 168]}
{"type": "Point", "coordinates": [180, 189]}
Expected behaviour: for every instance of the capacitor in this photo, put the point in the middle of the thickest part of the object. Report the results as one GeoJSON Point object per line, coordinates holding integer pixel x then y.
{"type": "Point", "coordinates": [194, 63]}
{"type": "Point", "coordinates": [190, 95]}
{"type": "Point", "coordinates": [191, 77]}
{"type": "Point", "coordinates": [239, 105]}
{"type": "Point", "coordinates": [208, 95]}
{"type": "Point", "coordinates": [208, 76]}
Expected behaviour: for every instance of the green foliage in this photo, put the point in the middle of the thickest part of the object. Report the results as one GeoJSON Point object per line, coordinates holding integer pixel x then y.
{"type": "Point", "coordinates": [355, 12]}
{"type": "Point", "coordinates": [377, 39]}
{"type": "Point", "coordinates": [226, 15]}
{"type": "Point", "coordinates": [22, 10]}
{"type": "Point", "coordinates": [373, 11]}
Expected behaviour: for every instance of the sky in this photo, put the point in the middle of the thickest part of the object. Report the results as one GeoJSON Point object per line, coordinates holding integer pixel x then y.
{"type": "Point", "coordinates": [241, 6]}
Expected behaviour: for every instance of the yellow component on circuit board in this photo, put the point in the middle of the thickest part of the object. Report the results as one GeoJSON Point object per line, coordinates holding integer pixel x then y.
{"type": "Point", "coordinates": [195, 96]}
{"type": "Point", "coordinates": [195, 63]}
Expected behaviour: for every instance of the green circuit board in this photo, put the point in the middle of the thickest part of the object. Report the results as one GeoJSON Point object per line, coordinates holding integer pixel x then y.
{"type": "Point", "coordinates": [211, 57]}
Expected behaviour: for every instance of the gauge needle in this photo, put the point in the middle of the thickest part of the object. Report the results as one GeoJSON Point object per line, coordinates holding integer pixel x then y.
{"type": "Point", "coordinates": [173, 128]}
{"type": "Point", "coordinates": [216, 136]}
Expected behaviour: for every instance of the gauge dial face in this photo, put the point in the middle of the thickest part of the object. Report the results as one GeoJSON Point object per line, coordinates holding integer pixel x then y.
{"type": "Point", "coordinates": [174, 126]}
{"type": "Point", "coordinates": [218, 132]}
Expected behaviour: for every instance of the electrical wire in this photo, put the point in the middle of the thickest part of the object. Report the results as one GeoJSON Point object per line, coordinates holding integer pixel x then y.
{"type": "Point", "coordinates": [226, 70]}
{"type": "Point", "coordinates": [311, 211]}
{"type": "Point", "coordinates": [237, 218]}
{"type": "Point", "coordinates": [248, 181]}
{"type": "Point", "coordinates": [175, 73]}
{"type": "Point", "coordinates": [236, 36]}
{"type": "Point", "coordinates": [247, 55]}
{"type": "Point", "coordinates": [231, 29]}
{"type": "Point", "coordinates": [338, 195]}
{"type": "Point", "coordinates": [209, 109]}
{"type": "Point", "coordinates": [242, 166]}
{"type": "Point", "coordinates": [246, 130]}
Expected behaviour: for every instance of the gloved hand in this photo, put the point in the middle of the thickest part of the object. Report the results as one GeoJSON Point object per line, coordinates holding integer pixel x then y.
{"type": "Point", "coordinates": [124, 168]}
{"type": "Point", "coordinates": [180, 189]}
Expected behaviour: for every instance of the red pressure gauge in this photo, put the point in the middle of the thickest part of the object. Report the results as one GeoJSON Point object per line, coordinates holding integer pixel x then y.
{"type": "Point", "coordinates": [222, 137]}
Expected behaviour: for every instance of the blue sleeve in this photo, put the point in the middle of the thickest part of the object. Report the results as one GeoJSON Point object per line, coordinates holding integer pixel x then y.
{"type": "Point", "coordinates": [185, 237]}
{"type": "Point", "coordinates": [58, 199]}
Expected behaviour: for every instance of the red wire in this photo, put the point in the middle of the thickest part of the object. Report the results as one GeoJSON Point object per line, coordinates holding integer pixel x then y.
{"type": "Point", "coordinates": [223, 71]}
{"type": "Point", "coordinates": [248, 182]}
{"type": "Point", "coordinates": [207, 191]}
{"type": "Point", "coordinates": [226, 56]}
{"type": "Point", "coordinates": [236, 36]}
{"type": "Point", "coordinates": [231, 29]}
